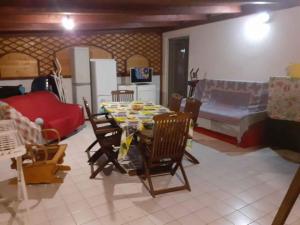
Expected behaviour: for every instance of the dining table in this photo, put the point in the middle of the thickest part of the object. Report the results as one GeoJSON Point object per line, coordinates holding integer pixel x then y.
{"type": "Point", "coordinates": [135, 117]}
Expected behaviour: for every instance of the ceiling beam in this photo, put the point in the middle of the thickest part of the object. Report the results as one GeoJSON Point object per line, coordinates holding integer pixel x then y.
{"type": "Point", "coordinates": [9, 27]}
{"type": "Point", "coordinates": [134, 10]}
{"type": "Point", "coordinates": [82, 19]}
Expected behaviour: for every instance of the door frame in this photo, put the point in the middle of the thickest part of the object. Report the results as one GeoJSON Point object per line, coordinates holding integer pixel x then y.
{"type": "Point", "coordinates": [165, 63]}
{"type": "Point", "coordinates": [169, 59]}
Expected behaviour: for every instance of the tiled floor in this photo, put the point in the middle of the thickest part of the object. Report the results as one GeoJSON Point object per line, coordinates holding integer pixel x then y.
{"type": "Point", "coordinates": [227, 188]}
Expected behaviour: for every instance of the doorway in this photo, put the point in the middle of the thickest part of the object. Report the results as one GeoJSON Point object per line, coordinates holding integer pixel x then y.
{"type": "Point", "coordinates": [178, 66]}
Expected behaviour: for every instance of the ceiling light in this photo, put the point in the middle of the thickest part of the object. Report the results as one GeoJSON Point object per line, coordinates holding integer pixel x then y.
{"type": "Point", "coordinates": [67, 23]}
{"type": "Point", "coordinates": [257, 26]}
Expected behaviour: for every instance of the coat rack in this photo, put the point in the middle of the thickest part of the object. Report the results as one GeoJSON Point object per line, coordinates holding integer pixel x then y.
{"type": "Point", "coordinates": [193, 81]}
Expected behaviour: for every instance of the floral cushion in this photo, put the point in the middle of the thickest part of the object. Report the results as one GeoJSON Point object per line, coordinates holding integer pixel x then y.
{"type": "Point", "coordinates": [284, 99]}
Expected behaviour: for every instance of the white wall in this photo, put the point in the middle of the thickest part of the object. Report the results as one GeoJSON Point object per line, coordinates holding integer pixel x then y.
{"type": "Point", "coordinates": [221, 50]}
{"type": "Point", "coordinates": [67, 83]}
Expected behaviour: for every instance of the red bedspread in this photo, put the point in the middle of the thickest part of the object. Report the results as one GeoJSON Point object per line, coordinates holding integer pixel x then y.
{"type": "Point", "coordinates": [65, 118]}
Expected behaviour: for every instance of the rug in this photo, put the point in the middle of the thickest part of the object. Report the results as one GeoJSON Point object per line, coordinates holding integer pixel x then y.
{"type": "Point", "coordinates": [220, 145]}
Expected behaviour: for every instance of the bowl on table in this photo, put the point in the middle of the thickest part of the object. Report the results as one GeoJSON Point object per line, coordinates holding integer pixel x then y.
{"type": "Point", "coordinates": [137, 106]}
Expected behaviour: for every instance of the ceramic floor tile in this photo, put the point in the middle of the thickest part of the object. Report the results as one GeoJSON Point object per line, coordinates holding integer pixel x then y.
{"type": "Point", "coordinates": [221, 222]}
{"type": "Point", "coordinates": [141, 221]}
{"type": "Point", "coordinates": [161, 217]}
{"type": "Point", "coordinates": [112, 219]}
{"type": "Point", "coordinates": [238, 218]}
{"type": "Point", "coordinates": [252, 212]}
{"type": "Point", "coordinates": [191, 219]}
{"type": "Point", "coordinates": [236, 187]}
{"type": "Point", "coordinates": [132, 213]}
{"type": "Point", "coordinates": [177, 211]}
{"type": "Point", "coordinates": [83, 216]}
{"type": "Point", "coordinates": [208, 215]}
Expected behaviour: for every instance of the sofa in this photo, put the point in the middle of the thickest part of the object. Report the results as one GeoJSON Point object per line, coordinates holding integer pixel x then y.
{"type": "Point", "coordinates": [231, 107]}
{"type": "Point", "coordinates": [65, 118]}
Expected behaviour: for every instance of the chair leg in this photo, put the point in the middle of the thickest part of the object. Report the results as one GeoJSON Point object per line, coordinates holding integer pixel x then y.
{"type": "Point", "coordinates": [91, 146]}
{"type": "Point", "coordinates": [22, 187]}
{"type": "Point", "coordinates": [288, 201]}
{"type": "Point", "coordinates": [96, 156]}
{"type": "Point", "coordinates": [112, 159]}
{"type": "Point", "coordinates": [185, 177]}
{"type": "Point", "coordinates": [191, 158]}
{"type": "Point", "coordinates": [148, 177]}
{"type": "Point", "coordinates": [174, 169]}
{"type": "Point", "coordinates": [98, 170]}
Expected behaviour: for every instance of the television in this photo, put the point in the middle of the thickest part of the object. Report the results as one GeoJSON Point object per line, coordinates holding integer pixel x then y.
{"type": "Point", "coordinates": [141, 74]}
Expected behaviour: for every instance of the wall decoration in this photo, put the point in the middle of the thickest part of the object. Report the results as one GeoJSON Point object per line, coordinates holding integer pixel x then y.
{"type": "Point", "coordinates": [120, 45]}
{"type": "Point", "coordinates": [18, 65]}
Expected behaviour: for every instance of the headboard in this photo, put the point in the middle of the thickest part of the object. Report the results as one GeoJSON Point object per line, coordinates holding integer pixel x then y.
{"type": "Point", "coordinates": [65, 57]}
{"type": "Point", "coordinates": [18, 66]}
{"type": "Point", "coordinates": [136, 61]}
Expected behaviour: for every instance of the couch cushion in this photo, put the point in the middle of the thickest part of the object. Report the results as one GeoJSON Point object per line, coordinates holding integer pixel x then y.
{"type": "Point", "coordinates": [224, 113]}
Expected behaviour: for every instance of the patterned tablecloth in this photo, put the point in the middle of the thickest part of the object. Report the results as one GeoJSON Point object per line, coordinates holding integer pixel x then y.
{"type": "Point", "coordinates": [134, 120]}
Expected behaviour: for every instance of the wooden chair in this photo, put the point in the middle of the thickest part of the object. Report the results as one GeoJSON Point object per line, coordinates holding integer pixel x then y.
{"type": "Point", "coordinates": [162, 153]}
{"type": "Point", "coordinates": [192, 106]}
{"type": "Point", "coordinates": [122, 96]}
{"type": "Point", "coordinates": [175, 102]}
{"type": "Point", "coordinates": [42, 161]}
{"type": "Point", "coordinates": [288, 201]}
{"type": "Point", "coordinates": [102, 119]}
{"type": "Point", "coordinates": [107, 136]}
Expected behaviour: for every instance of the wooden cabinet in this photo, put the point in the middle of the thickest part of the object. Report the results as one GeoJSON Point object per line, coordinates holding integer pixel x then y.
{"type": "Point", "coordinates": [143, 92]}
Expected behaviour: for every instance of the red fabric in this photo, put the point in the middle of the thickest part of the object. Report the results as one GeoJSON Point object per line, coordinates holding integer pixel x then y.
{"type": "Point", "coordinates": [65, 118]}
{"type": "Point", "coordinates": [255, 136]}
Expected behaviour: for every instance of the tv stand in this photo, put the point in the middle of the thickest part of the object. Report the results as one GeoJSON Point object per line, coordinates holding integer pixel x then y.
{"type": "Point", "coordinates": [142, 92]}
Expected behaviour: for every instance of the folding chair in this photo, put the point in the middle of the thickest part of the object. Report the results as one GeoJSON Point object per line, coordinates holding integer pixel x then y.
{"type": "Point", "coordinates": [163, 152]}
{"type": "Point", "coordinates": [107, 136]}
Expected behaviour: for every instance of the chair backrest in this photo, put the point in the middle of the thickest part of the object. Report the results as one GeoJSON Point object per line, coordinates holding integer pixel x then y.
{"type": "Point", "coordinates": [89, 114]}
{"type": "Point", "coordinates": [170, 134]}
{"type": "Point", "coordinates": [192, 106]}
{"type": "Point", "coordinates": [122, 96]}
{"type": "Point", "coordinates": [175, 102]}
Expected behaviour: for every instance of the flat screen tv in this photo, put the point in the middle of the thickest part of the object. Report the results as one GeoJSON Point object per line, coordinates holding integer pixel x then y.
{"type": "Point", "coordinates": [141, 74]}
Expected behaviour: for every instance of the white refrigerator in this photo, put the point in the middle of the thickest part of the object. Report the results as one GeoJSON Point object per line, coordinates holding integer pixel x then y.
{"type": "Point", "coordinates": [103, 80]}
{"type": "Point", "coordinates": [81, 79]}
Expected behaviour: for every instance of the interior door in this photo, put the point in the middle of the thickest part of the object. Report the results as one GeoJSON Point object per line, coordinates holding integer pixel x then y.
{"type": "Point", "coordinates": [178, 66]}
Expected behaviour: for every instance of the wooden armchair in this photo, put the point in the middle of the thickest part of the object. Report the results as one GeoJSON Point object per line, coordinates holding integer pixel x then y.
{"type": "Point", "coordinates": [122, 96]}
{"type": "Point", "coordinates": [162, 151]}
{"type": "Point", "coordinates": [42, 161]}
{"type": "Point", "coordinates": [175, 102]}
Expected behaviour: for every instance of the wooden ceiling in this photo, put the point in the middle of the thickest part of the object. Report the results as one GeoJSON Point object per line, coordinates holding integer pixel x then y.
{"type": "Point", "coordinates": [92, 15]}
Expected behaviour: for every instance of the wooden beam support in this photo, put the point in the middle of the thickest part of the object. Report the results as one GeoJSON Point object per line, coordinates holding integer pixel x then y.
{"type": "Point", "coordinates": [9, 27]}
{"type": "Point", "coordinates": [94, 18]}
{"type": "Point", "coordinates": [126, 9]}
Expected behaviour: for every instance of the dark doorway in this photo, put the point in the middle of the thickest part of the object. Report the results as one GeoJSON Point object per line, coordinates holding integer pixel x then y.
{"type": "Point", "coordinates": [178, 66]}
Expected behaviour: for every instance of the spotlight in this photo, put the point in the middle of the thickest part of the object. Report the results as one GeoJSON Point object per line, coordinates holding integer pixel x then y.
{"type": "Point", "coordinates": [67, 23]}
{"type": "Point", "coordinates": [257, 27]}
